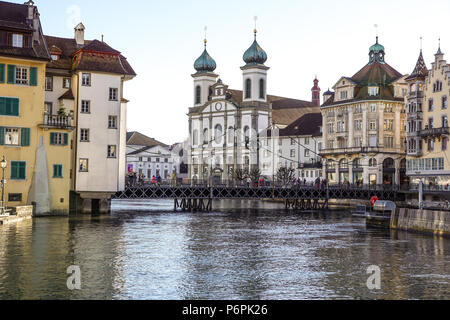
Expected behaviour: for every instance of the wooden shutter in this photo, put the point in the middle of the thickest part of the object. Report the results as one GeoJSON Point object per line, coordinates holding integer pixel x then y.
{"type": "Point", "coordinates": [2, 106]}
{"type": "Point", "coordinates": [52, 138]}
{"type": "Point", "coordinates": [11, 107]}
{"type": "Point", "coordinates": [11, 74]}
{"type": "Point", "coordinates": [66, 139]}
{"type": "Point", "coordinates": [25, 137]}
{"type": "Point", "coordinates": [2, 136]}
{"type": "Point", "coordinates": [2, 73]}
{"type": "Point", "coordinates": [22, 170]}
{"type": "Point", "coordinates": [33, 76]}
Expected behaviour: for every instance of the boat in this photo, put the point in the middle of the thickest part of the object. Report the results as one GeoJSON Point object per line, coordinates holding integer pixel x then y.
{"type": "Point", "coordinates": [360, 211]}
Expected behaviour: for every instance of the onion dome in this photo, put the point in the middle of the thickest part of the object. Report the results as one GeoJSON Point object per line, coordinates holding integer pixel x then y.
{"type": "Point", "coordinates": [255, 54]}
{"type": "Point", "coordinates": [205, 63]}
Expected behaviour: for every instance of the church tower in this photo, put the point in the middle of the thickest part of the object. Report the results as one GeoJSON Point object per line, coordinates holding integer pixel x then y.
{"type": "Point", "coordinates": [254, 75]}
{"type": "Point", "coordinates": [204, 78]}
{"type": "Point", "coordinates": [316, 93]}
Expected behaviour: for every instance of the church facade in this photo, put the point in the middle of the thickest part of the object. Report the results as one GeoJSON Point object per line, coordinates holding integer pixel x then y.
{"type": "Point", "coordinates": [228, 128]}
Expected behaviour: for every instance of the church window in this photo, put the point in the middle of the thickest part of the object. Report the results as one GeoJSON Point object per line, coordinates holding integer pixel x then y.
{"type": "Point", "coordinates": [248, 89]}
{"type": "Point", "coordinates": [198, 95]}
{"type": "Point", "coordinates": [230, 135]}
{"type": "Point", "coordinates": [218, 134]}
{"type": "Point", "coordinates": [205, 137]}
{"type": "Point", "coordinates": [262, 93]}
{"type": "Point", "coordinates": [195, 138]}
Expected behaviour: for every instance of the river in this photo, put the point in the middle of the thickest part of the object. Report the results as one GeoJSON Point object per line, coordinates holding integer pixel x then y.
{"type": "Point", "coordinates": [143, 250]}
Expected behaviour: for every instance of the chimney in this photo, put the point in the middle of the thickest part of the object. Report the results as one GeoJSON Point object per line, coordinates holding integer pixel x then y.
{"type": "Point", "coordinates": [79, 34]}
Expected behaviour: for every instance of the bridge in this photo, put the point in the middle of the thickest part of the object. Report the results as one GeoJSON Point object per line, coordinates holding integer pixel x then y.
{"type": "Point", "coordinates": [199, 198]}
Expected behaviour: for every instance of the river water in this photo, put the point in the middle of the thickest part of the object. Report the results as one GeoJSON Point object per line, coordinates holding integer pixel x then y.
{"type": "Point", "coordinates": [145, 251]}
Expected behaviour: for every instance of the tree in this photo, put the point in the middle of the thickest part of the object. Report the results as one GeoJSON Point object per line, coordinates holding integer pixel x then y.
{"type": "Point", "coordinates": [255, 174]}
{"type": "Point", "coordinates": [285, 175]}
{"type": "Point", "coordinates": [239, 175]}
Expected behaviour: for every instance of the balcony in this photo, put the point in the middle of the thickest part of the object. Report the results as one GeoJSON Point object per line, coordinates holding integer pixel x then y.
{"type": "Point", "coordinates": [435, 132]}
{"type": "Point", "coordinates": [414, 153]}
{"type": "Point", "coordinates": [52, 121]}
{"type": "Point", "coordinates": [415, 95]}
{"type": "Point", "coordinates": [354, 150]}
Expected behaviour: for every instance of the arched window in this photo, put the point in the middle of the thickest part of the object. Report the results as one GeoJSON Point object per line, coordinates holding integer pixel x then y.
{"type": "Point", "coordinates": [198, 95]}
{"type": "Point", "coordinates": [262, 91]}
{"type": "Point", "coordinates": [248, 89]}
{"type": "Point", "coordinates": [373, 163]}
{"type": "Point", "coordinates": [218, 134]}
{"type": "Point", "coordinates": [247, 133]}
{"type": "Point", "coordinates": [357, 163]}
{"type": "Point", "coordinates": [389, 163]}
{"type": "Point", "coordinates": [205, 137]}
{"type": "Point", "coordinates": [195, 138]}
{"type": "Point", "coordinates": [343, 164]}
{"type": "Point", "coordinates": [231, 135]}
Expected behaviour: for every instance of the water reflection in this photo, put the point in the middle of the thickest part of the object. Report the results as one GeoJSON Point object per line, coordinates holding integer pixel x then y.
{"type": "Point", "coordinates": [144, 251]}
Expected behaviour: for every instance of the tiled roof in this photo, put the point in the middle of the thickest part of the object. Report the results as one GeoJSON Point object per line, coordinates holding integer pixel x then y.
{"type": "Point", "coordinates": [14, 16]}
{"type": "Point", "coordinates": [68, 95]}
{"type": "Point", "coordinates": [307, 125]}
{"type": "Point", "coordinates": [284, 110]}
{"type": "Point", "coordinates": [380, 74]}
{"type": "Point", "coordinates": [138, 139]}
{"type": "Point", "coordinates": [420, 71]}
{"type": "Point", "coordinates": [93, 56]}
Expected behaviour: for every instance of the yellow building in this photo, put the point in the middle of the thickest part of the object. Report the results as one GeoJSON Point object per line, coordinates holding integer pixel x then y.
{"type": "Point", "coordinates": [428, 129]}
{"type": "Point", "coordinates": [364, 126]}
{"type": "Point", "coordinates": [36, 147]}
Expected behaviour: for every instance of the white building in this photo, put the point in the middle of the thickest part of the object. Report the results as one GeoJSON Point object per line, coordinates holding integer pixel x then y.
{"type": "Point", "coordinates": [87, 78]}
{"type": "Point", "coordinates": [148, 157]}
{"type": "Point", "coordinates": [225, 125]}
{"type": "Point", "coordinates": [297, 147]}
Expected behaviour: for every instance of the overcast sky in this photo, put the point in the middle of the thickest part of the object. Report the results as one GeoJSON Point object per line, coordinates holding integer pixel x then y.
{"type": "Point", "coordinates": [162, 39]}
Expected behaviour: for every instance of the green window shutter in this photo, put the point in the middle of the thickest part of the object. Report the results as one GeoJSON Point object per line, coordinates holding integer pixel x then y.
{"type": "Point", "coordinates": [2, 136]}
{"type": "Point", "coordinates": [66, 139]}
{"type": "Point", "coordinates": [11, 74]}
{"type": "Point", "coordinates": [33, 76]}
{"type": "Point", "coordinates": [52, 138]}
{"type": "Point", "coordinates": [18, 170]}
{"type": "Point", "coordinates": [57, 171]}
{"type": "Point", "coordinates": [2, 106]}
{"type": "Point", "coordinates": [25, 137]}
{"type": "Point", "coordinates": [2, 73]}
{"type": "Point", "coordinates": [13, 170]}
{"type": "Point", "coordinates": [22, 170]}
{"type": "Point", "coordinates": [9, 106]}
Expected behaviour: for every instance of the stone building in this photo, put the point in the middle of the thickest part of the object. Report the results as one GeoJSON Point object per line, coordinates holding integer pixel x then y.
{"type": "Point", "coordinates": [364, 124]}
{"type": "Point", "coordinates": [428, 127]}
{"type": "Point", "coordinates": [225, 124]}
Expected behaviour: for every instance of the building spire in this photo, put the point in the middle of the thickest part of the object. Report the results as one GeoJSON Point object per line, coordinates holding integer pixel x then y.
{"type": "Point", "coordinates": [439, 52]}
{"type": "Point", "coordinates": [255, 30]}
{"type": "Point", "coordinates": [205, 41]}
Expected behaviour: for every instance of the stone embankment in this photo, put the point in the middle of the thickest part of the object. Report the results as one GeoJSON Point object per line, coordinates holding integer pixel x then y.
{"type": "Point", "coordinates": [424, 221]}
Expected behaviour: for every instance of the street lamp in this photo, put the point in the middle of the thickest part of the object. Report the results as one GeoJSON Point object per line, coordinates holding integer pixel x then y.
{"type": "Point", "coordinates": [3, 165]}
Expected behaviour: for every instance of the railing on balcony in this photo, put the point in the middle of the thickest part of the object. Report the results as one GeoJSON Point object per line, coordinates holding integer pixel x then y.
{"type": "Point", "coordinates": [57, 121]}
{"type": "Point", "coordinates": [352, 150]}
{"type": "Point", "coordinates": [415, 95]}
{"type": "Point", "coordinates": [435, 132]}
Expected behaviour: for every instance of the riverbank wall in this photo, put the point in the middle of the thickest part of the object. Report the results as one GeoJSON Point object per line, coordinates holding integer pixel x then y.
{"type": "Point", "coordinates": [423, 221]}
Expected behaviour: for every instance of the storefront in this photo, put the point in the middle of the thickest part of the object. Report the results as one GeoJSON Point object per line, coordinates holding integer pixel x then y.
{"type": "Point", "coordinates": [389, 172]}
{"type": "Point", "coordinates": [357, 172]}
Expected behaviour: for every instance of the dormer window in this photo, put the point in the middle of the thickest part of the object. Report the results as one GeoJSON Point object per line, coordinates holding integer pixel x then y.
{"type": "Point", "coordinates": [55, 57]}
{"type": "Point", "coordinates": [17, 40]}
{"type": "Point", "coordinates": [343, 95]}
{"type": "Point", "coordinates": [374, 91]}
